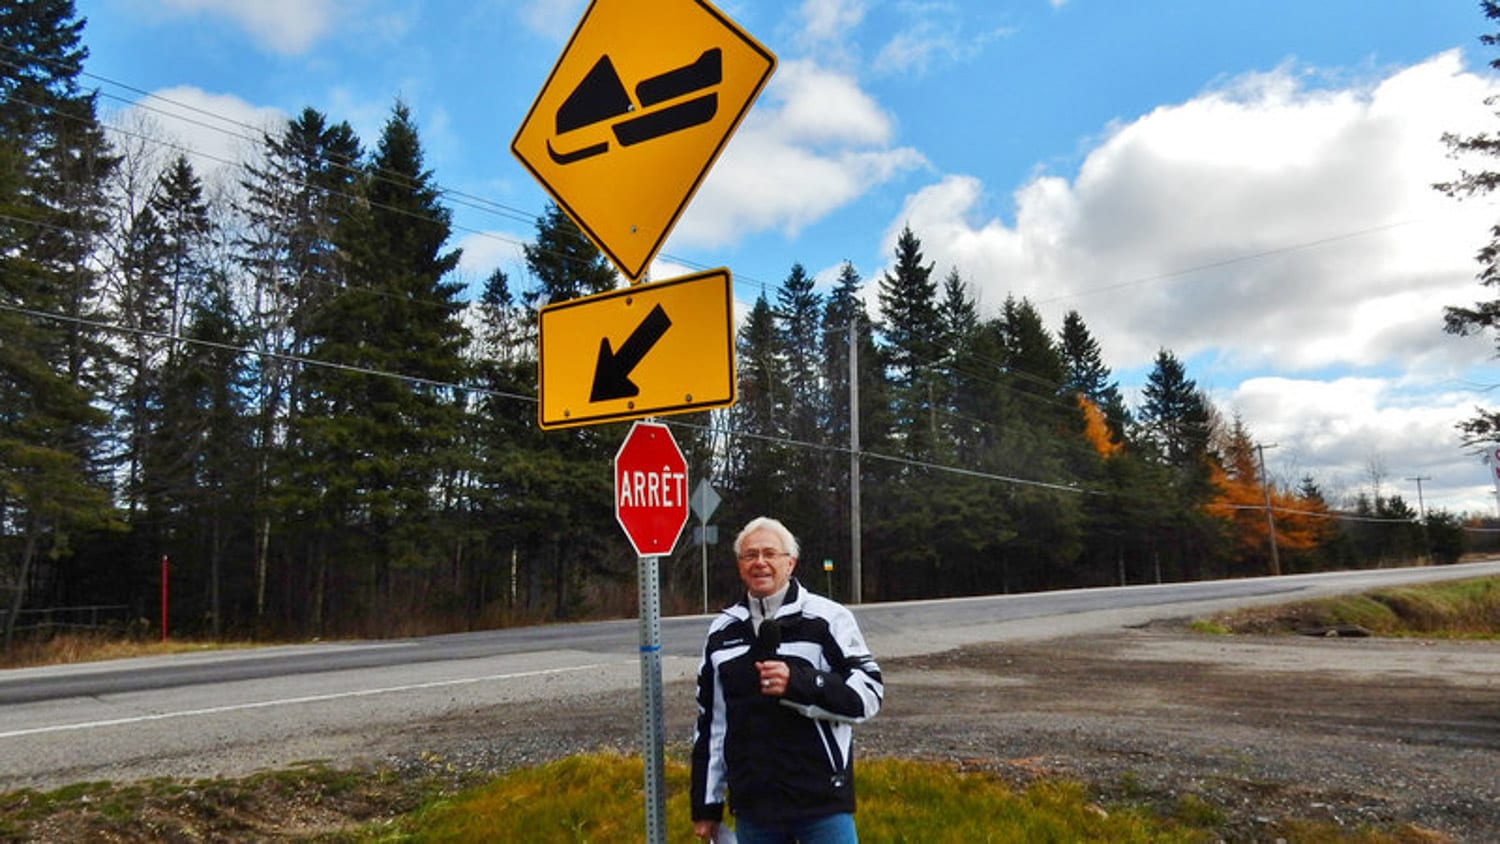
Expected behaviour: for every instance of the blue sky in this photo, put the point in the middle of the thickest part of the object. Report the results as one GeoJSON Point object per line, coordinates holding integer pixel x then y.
{"type": "Point", "coordinates": [1243, 183]}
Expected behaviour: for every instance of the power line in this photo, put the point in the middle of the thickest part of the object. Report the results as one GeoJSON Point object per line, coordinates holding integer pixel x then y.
{"type": "Point", "coordinates": [257, 135]}
{"type": "Point", "coordinates": [520, 215]}
{"type": "Point", "coordinates": [264, 353]}
{"type": "Point", "coordinates": [1231, 261]}
{"type": "Point", "coordinates": [508, 212]}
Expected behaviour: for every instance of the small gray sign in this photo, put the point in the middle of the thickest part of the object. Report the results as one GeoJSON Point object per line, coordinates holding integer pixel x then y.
{"type": "Point", "coordinates": [704, 500]}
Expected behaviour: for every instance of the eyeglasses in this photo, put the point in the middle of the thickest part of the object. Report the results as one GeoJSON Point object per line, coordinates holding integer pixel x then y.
{"type": "Point", "coordinates": [767, 554]}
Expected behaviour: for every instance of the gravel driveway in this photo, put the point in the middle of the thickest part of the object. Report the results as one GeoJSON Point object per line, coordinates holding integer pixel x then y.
{"type": "Point", "coordinates": [1351, 731]}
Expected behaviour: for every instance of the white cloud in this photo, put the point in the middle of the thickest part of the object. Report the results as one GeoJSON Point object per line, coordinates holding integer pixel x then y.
{"type": "Point", "coordinates": [828, 20]}
{"type": "Point", "coordinates": [815, 105]}
{"type": "Point", "coordinates": [283, 26]}
{"type": "Point", "coordinates": [815, 142]}
{"type": "Point", "coordinates": [1266, 227]}
{"type": "Point", "coordinates": [1338, 431]}
{"type": "Point", "coordinates": [1285, 227]}
{"type": "Point", "coordinates": [485, 252]}
{"type": "Point", "coordinates": [926, 41]}
{"type": "Point", "coordinates": [552, 18]}
{"type": "Point", "coordinates": [217, 131]}
{"type": "Point", "coordinates": [933, 33]}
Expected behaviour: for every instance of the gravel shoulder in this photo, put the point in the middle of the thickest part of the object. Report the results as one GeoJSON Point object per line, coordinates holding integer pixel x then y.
{"type": "Point", "coordinates": [1351, 731]}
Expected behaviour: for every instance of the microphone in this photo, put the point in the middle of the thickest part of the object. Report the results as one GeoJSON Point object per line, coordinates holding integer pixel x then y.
{"type": "Point", "coordinates": [768, 639]}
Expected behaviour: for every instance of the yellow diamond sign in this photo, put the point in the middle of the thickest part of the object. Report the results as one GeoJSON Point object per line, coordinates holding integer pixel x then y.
{"type": "Point", "coordinates": [640, 104]}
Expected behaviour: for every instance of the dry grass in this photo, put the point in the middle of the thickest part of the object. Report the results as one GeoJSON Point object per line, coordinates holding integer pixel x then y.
{"type": "Point", "coordinates": [70, 648]}
{"type": "Point", "coordinates": [1457, 609]}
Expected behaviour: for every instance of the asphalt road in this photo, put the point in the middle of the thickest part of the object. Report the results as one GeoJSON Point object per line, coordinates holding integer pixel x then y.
{"type": "Point", "coordinates": [231, 712]}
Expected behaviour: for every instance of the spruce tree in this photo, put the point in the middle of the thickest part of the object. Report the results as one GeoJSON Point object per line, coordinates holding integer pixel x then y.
{"type": "Point", "coordinates": [804, 405]}
{"type": "Point", "coordinates": [1174, 418]}
{"type": "Point", "coordinates": [758, 462]}
{"type": "Point", "coordinates": [205, 429]}
{"type": "Point", "coordinates": [553, 480]}
{"type": "Point", "coordinates": [799, 335]}
{"type": "Point", "coordinates": [913, 334]}
{"type": "Point", "coordinates": [1087, 375]}
{"type": "Point", "coordinates": [1484, 316]}
{"type": "Point", "coordinates": [54, 161]}
{"type": "Point", "coordinates": [844, 307]}
{"type": "Point", "coordinates": [564, 262]}
{"type": "Point", "coordinates": [958, 310]}
{"type": "Point", "coordinates": [383, 432]}
{"type": "Point", "coordinates": [1175, 425]}
{"type": "Point", "coordinates": [294, 199]}
{"type": "Point", "coordinates": [959, 315]}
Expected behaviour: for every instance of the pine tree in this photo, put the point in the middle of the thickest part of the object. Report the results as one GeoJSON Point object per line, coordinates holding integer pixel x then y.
{"type": "Point", "coordinates": [1087, 375]}
{"type": "Point", "coordinates": [1174, 419]}
{"type": "Point", "coordinates": [758, 466]}
{"type": "Point", "coordinates": [564, 262]}
{"type": "Point", "coordinates": [1483, 428]}
{"type": "Point", "coordinates": [913, 333]}
{"type": "Point", "coordinates": [377, 446]}
{"type": "Point", "coordinates": [54, 161]}
{"type": "Point", "coordinates": [295, 198]}
{"type": "Point", "coordinates": [1175, 425]}
{"type": "Point", "coordinates": [205, 427]}
{"type": "Point", "coordinates": [799, 336]}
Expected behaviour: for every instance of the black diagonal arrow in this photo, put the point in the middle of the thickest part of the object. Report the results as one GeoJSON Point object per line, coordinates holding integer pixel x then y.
{"type": "Point", "coordinates": [612, 374]}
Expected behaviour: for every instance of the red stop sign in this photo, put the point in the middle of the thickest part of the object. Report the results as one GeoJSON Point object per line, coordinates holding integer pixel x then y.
{"type": "Point", "coordinates": [651, 499]}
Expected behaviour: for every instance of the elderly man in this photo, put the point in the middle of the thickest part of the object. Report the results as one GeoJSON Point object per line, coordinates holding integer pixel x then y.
{"type": "Point", "coordinates": [785, 676]}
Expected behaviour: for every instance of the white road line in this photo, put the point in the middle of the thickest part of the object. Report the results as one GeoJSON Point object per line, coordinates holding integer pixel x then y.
{"type": "Point", "coordinates": [293, 701]}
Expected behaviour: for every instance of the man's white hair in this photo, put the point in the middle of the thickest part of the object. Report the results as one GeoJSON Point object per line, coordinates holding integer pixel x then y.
{"type": "Point", "coordinates": [788, 541]}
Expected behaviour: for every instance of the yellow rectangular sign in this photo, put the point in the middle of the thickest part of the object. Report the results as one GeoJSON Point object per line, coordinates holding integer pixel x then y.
{"type": "Point", "coordinates": [651, 349]}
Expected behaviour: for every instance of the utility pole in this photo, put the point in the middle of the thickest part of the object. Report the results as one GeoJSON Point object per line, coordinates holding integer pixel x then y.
{"type": "Point", "coordinates": [1422, 513]}
{"type": "Point", "coordinates": [1265, 489]}
{"type": "Point", "coordinates": [1421, 508]}
{"type": "Point", "coordinates": [856, 569]}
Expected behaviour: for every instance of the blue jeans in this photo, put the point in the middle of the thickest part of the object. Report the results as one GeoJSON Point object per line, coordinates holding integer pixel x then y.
{"type": "Point", "coordinates": [829, 829]}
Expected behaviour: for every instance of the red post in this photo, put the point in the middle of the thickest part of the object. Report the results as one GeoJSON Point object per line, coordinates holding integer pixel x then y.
{"type": "Point", "coordinates": [164, 597]}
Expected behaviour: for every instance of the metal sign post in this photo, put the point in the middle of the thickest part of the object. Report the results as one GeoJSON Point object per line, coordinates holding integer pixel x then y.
{"type": "Point", "coordinates": [704, 501]}
{"type": "Point", "coordinates": [653, 726]}
{"type": "Point", "coordinates": [651, 505]}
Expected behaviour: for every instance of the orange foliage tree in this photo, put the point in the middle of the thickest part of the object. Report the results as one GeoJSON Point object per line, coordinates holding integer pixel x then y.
{"type": "Point", "coordinates": [1096, 428]}
{"type": "Point", "coordinates": [1302, 522]}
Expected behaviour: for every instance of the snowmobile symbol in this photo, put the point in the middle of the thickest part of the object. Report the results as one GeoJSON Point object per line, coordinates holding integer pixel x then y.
{"type": "Point", "coordinates": [601, 96]}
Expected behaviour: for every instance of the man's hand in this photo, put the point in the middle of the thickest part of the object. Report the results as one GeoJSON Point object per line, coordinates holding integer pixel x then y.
{"type": "Point", "coordinates": [774, 677]}
{"type": "Point", "coordinates": [707, 830]}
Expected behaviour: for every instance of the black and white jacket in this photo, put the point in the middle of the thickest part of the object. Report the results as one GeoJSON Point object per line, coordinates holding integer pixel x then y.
{"type": "Point", "coordinates": [787, 758]}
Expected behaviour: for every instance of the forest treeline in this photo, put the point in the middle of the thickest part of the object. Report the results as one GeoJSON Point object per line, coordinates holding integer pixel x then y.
{"type": "Point", "coordinates": [278, 386]}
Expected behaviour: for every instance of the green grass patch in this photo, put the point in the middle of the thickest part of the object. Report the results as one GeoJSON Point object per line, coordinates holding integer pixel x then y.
{"type": "Point", "coordinates": [917, 802]}
{"type": "Point", "coordinates": [1456, 609]}
{"type": "Point", "coordinates": [599, 798]}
